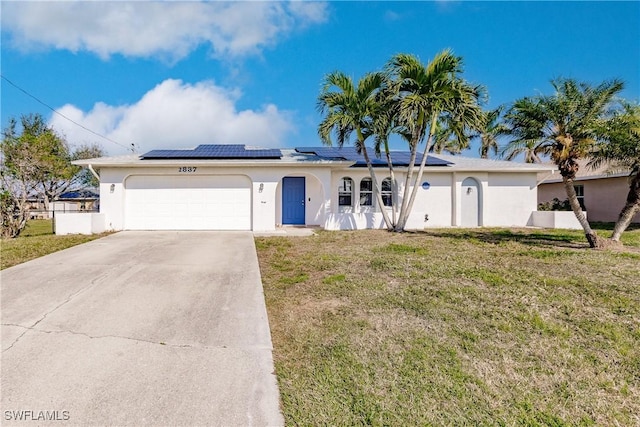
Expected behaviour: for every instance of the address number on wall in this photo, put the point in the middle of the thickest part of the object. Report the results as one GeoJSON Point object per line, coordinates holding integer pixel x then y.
{"type": "Point", "coordinates": [187, 169]}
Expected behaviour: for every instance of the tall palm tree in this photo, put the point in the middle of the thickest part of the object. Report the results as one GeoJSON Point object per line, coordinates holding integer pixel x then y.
{"type": "Point", "coordinates": [384, 124]}
{"type": "Point", "coordinates": [426, 94]}
{"type": "Point", "coordinates": [350, 109]}
{"type": "Point", "coordinates": [488, 134]}
{"type": "Point", "coordinates": [621, 150]}
{"type": "Point", "coordinates": [565, 125]}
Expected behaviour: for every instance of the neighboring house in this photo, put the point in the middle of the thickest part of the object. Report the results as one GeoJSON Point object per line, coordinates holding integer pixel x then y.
{"type": "Point", "coordinates": [82, 200]}
{"type": "Point", "coordinates": [70, 201]}
{"type": "Point", "coordinates": [602, 195]}
{"type": "Point", "coordinates": [233, 187]}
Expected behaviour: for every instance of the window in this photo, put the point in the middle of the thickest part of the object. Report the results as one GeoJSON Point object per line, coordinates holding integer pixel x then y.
{"type": "Point", "coordinates": [366, 192]}
{"type": "Point", "coordinates": [345, 192]}
{"type": "Point", "coordinates": [387, 192]}
{"type": "Point", "coordinates": [580, 193]}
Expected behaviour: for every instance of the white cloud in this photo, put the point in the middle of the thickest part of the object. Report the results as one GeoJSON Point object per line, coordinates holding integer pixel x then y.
{"type": "Point", "coordinates": [176, 115]}
{"type": "Point", "coordinates": [170, 30]}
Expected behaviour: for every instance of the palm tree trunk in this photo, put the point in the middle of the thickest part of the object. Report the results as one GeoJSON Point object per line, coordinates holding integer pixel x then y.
{"type": "Point", "coordinates": [629, 210]}
{"type": "Point", "coordinates": [592, 237]}
{"type": "Point", "coordinates": [376, 189]}
{"type": "Point", "coordinates": [407, 182]}
{"type": "Point", "coordinates": [394, 186]}
{"type": "Point", "coordinates": [404, 216]}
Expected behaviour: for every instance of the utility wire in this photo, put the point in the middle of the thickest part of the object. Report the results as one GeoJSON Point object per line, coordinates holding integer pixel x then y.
{"type": "Point", "coordinates": [132, 147]}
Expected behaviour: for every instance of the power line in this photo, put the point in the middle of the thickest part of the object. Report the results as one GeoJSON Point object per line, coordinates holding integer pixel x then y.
{"type": "Point", "coordinates": [65, 117]}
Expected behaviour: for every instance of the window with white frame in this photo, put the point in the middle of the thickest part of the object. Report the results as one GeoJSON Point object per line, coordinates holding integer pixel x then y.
{"type": "Point", "coordinates": [580, 193]}
{"type": "Point", "coordinates": [366, 192]}
{"type": "Point", "coordinates": [345, 192]}
{"type": "Point", "coordinates": [386, 191]}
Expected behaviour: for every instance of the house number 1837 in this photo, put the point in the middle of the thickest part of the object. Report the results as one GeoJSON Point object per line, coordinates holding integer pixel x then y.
{"type": "Point", "coordinates": [187, 169]}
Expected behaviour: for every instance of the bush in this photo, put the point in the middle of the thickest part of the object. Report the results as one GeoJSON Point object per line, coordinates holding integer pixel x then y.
{"type": "Point", "coordinates": [555, 205]}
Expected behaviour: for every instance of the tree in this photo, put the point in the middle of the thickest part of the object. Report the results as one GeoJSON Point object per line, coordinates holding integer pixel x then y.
{"type": "Point", "coordinates": [16, 174]}
{"type": "Point", "coordinates": [37, 163]}
{"type": "Point", "coordinates": [426, 94]}
{"type": "Point", "coordinates": [621, 150]}
{"type": "Point", "coordinates": [349, 109]}
{"type": "Point", "coordinates": [444, 139]}
{"type": "Point", "coordinates": [525, 132]}
{"type": "Point", "coordinates": [384, 125]}
{"type": "Point", "coordinates": [84, 178]}
{"type": "Point", "coordinates": [488, 134]}
{"type": "Point", "coordinates": [566, 126]}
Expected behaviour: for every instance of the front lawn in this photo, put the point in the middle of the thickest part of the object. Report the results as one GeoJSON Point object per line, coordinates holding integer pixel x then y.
{"type": "Point", "coordinates": [37, 240]}
{"type": "Point", "coordinates": [454, 327]}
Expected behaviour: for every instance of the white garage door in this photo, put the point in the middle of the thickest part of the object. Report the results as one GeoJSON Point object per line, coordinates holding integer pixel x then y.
{"type": "Point", "coordinates": [187, 202]}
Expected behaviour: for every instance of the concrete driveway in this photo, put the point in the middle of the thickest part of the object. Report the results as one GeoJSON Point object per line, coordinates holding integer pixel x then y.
{"type": "Point", "coordinates": [139, 328]}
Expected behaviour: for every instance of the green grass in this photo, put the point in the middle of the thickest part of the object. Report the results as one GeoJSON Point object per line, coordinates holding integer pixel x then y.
{"type": "Point", "coordinates": [454, 327]}
{"type": "Point", "coordinates": [37, 240]}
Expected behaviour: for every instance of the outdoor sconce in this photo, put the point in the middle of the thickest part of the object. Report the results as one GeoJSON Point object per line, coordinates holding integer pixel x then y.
{"type": "Point", "coordinates": [112, 188]}
{"type": "Point", "coordinates": [468, 190]}
{"type": "Point", "coordinates": [261, 187]}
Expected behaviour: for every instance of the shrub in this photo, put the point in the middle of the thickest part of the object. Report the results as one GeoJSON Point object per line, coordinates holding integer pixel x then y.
{"type": "Point", "coordinates": [555, 205]}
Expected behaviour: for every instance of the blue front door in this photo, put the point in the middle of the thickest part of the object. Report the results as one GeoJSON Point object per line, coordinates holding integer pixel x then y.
{"type": "Point", "coordinates": [293, 197]}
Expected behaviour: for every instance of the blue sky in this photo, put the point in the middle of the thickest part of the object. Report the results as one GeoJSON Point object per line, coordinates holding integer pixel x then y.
{"type": "Point", "coordinates": [179, 74]}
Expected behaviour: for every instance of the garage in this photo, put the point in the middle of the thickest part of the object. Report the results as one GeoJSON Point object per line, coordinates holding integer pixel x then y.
{"type": "Point", "coordinates": [188, 202]}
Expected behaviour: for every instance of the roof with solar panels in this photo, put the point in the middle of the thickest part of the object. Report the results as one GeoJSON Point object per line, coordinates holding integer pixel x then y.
{"type": "Point", "coordinates": [240, 154]}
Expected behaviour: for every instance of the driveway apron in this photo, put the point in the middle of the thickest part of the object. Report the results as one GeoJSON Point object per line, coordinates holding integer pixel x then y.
{"type": "Point", "coordinates": [139, 328]}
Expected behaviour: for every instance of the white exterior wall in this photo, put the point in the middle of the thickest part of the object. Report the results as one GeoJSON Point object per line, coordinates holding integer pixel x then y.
{"type": "Point", "coordinates": [510, 199]}
{"type": "Point", "coordinates": [434, 202]}
{"type": "Point", "coordinates": [266, 202]}
{"type": "Point", "coordinates": [355, 217]}
{"type": "Point", "coordinates": [506, 199]}
{"type": "Point", "coordinates": [456, 197]}
{"type": "Point", "coordinates": [317, 182]}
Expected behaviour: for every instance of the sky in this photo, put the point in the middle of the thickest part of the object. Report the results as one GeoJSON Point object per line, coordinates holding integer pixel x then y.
{"type": "Point", "coordinates": [176, 74]}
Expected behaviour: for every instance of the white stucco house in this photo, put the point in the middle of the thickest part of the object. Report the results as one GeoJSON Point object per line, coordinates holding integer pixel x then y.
{"type": "Point", "coordinates": [234, 187]}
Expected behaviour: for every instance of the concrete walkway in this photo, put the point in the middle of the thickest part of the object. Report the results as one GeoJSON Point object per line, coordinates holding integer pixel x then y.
{"type": "Point", "coordinates": [139, 328]}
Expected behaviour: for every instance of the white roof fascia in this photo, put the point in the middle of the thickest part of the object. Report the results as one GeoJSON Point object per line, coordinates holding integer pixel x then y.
{"type": "Point", "coordinates": [592, 177]}
{"type": "Point", "coordinates": [137, 163]}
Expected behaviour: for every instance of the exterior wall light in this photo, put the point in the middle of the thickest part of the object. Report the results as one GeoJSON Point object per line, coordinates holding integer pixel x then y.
{"type": "Point", "coordinates": [112, 188]}
{"type": "Point", "coordinates": [261, 187]}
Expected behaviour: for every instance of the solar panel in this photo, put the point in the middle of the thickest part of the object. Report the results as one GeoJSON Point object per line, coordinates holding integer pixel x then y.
{"type": "Point", "coordinates": [399, 158]}
{"type": "Point", "coordinates": [215, 151]}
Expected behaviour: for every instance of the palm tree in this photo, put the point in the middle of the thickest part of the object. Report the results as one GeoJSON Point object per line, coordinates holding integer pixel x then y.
{"type": "Point", "coordinates": [444, 139]}
{"type": "Point", "coordinates": [529, 148]}
{"type": "Point", "coordinates": [384, 124]}
{"type": "Point", "coordinates": [489, 133]}
{"type": "Point", "coordinates": [348, 109]}
{"type": "Point", "coordinates": [525, 128]}
{"type": "Point", "coordinates": [621, 150]}
{"type": "Point", "coordinates": [426, 94]}
{"type": "Point", "coordinates": [565, 125]}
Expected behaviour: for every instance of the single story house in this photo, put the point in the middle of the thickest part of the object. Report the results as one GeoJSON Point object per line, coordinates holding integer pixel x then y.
{"type": "Point", "coordinates": [601, 194]}
{"type": "Point", "coordinates": [236, 187]}
{"type": "Point", "coordinates": [69, 201]}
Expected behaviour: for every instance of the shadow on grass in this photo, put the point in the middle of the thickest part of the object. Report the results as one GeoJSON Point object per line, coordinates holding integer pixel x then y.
{"type": "Point", "coordinates": [609, 226]}
{"type": "Point", "coordinates": [539, 238]}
